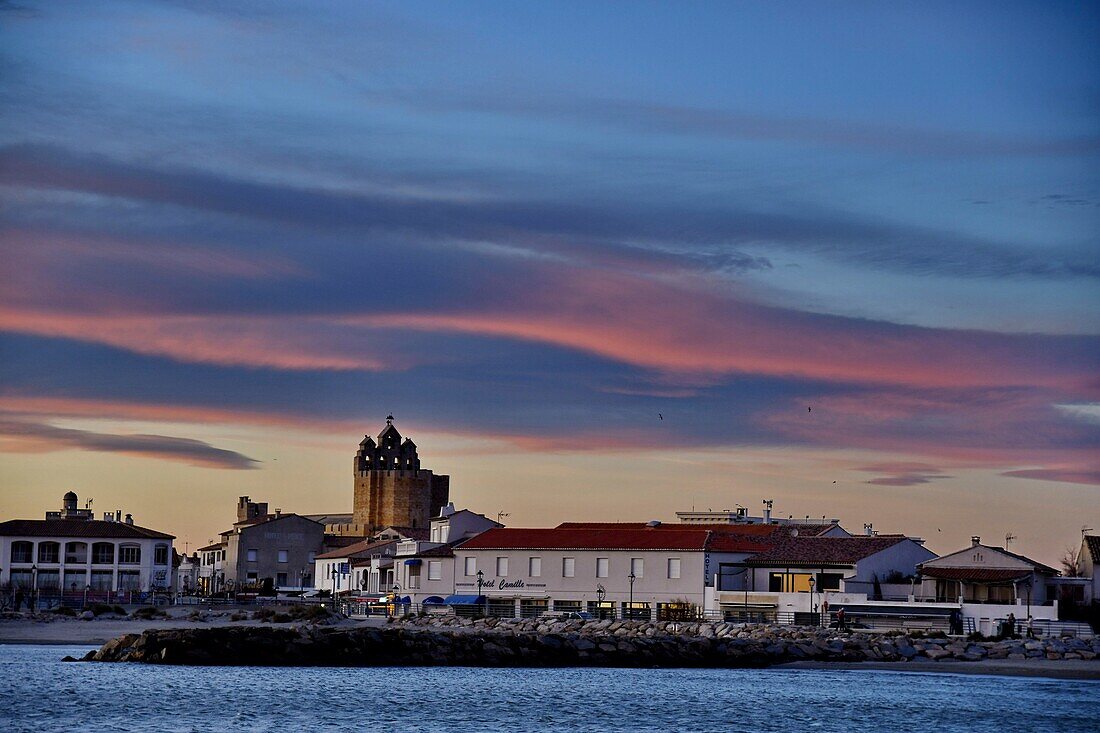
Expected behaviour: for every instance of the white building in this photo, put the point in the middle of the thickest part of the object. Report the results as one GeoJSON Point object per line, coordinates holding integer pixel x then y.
{"type": "Point", "coordinates": [989, 583]}
{"type": "Point", "coordinates": [364, 567]}
{"type": "Point", "coordinates": [70, 552]}
{"type": "Point", "coordinates": [187, 573]}
{"type": "Point", "coordinates": [635, 571]}
{"type": "Point", "coordinates": [1088, 567]}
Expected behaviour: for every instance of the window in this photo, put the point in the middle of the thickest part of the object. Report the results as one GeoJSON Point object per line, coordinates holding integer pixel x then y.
{"type": "Point", "coordinates": [75, 579]}
{"type": "Point", "coordinates": [160, 555]}
{"type": "Point", "coordinates": [102, 579]}
{"type": "Point", "coordinates": [51, 579]}
{"type": "Point", "coordinates": [284, 556]}
{"type": "Point", "coordinates": [674, 567]}
{"type": "Point", "coordinates": [502, 567]}
{"type": "Point", "coordinates": [568, 567]}
{"type": "Point", "coordinates": [280, 580]}
{"type": "Point", "coordinates": [637, 567]}
{"type": "Point", "coordinates": [22, 552]}
{"type": "Point", "coordinates": [534, 567]}
{"type": "Point", "coordinates": [252, 555]}
{"type": "Point", "coordinates": [470, 566]}
{"type": "Point", "coordinates": [103, 553]}
{"type": "Point", "coordinates": [49, 552]}
{"type": "Point", "coordinates": [253, 577]}
{"type": "Point", "coordinates": [828, 581]}
{"type": "Point", "coordinates": [129, 555]}
{"type": "Point", "coordinates": [414, 577]}
{"type": "Point", "coordinates": [789, 582]}
{"type": "Point", "coordinates": [128, 579]}
{"type": "Point", "coordinates": [602, 566]}
{"type": "Point", "coordinates": [435, 570]}
{"type": "Point", "coordinates": [76, 552]}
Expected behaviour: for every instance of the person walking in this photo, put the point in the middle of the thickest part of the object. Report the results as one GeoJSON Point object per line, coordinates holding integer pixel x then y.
{"type": "Point", "coordinates": [840, 621]}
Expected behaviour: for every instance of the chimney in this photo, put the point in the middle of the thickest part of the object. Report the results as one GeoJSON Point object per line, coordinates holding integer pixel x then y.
{"type": "Point", "coordinates": [108, 517]}
{"type": "Point", "coordinates": [278, 512]}
{"type": "Point", "coordinates": [767, 511]}
{"type": "Point", "coordinates": [975, 540]}
{"type": "Point", "coordinates": [868, 529]}
{"type": "Point", "coordinates": [129, 519]}
{"type": "Point", "coordinates": [118, 515]}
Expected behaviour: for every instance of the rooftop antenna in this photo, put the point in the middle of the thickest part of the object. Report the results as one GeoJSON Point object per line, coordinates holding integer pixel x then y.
{"type": "Point", "coordinates": [1008, 539]}
{"type": "Point", "coordinates": [501, 515]}
{"type": "Point", "coordinates": [1085, 530]}
{"type": "Point", "coordinates": [88, 504]}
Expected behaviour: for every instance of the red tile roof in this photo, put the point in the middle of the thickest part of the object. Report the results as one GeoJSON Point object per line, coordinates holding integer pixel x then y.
{"type": "Point", "coordinates": [976, 575]}
{"type": "Point", "coordinates": [746, 530]}
{"type": "Point", "coordinates": [90, 528]}
{"type": "Point", "coordinates": [357, 550]}
{"type": "Point", "coordinates": [1092, 542]}
{"type": "Point", "coordinates": [815, 551]}
{"type": "Point", "coordinates": [511, 538]}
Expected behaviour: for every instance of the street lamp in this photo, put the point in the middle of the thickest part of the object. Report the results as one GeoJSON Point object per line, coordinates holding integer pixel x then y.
{"type": "Point", "coordinates": [632, 577]}
{"type": "Point", "coordinates": [86, 589]}
{"type": "Point", "coordinates": [600, 595]}
{"type": "Point", "coordinates": [396, 589]}
{"type": "Point", "coordinates": [812, 583]}
{"type": "Point", "coordinates": [480, 583]}
{"type": "Point", "coordinates": [34, 588]}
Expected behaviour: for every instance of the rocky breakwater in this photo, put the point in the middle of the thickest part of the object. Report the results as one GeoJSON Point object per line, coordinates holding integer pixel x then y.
{"type": "Point", "coordinates": [492, 643]}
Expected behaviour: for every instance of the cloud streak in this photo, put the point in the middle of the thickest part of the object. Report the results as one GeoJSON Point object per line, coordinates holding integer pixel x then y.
{"type": "Point", "coordinates": [20, 436]}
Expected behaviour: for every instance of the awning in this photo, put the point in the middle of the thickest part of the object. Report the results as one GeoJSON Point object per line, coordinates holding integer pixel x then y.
{"type": "Point", "coordinates": [976, 575]}
{"type": "Point", "coordinates": [463, 600]}
{"type": "Point", "coordinates": [432, 600]}
{"type": "Point", "coordinates": [912, 611]}
{"type": "Point", "coordinates": [413, 561]}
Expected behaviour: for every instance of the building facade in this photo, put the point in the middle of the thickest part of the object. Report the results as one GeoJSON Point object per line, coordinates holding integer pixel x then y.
{"type": "Point", "coordinates": [276, 549]}
{"type": "Point", "coordinates": [69, 552]}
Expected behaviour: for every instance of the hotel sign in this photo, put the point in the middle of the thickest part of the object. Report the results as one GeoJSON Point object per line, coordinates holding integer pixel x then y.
{"type": "Point", "coordinates": [501, 584]}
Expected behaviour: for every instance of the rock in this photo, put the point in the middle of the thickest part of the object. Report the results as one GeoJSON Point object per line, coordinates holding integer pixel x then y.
{"type": "Point", "coordinates": [937, 653]}
{"type": "Point", "coordinates": [87, 616]}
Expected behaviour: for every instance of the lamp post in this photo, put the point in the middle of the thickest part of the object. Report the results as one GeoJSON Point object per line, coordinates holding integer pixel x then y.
{"type": "Point", "coordinates": [34, 588]}
{"type": "Point", "coordinates": [812, 609]}
{"type": "Point", "coordinates": [480, 583]}
{"type": "Point", "coordinates": [632, 577]}
{"type": "Point", "coordinates": [601, 593]}
{"type": "Point", "coordinates": [396, 589]}
{"type": "Point", "coordinates": [86, 589]}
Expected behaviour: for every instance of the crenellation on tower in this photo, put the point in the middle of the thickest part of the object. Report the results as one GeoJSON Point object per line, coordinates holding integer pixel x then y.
{"type": "Point", "coordinates": [391, 487]}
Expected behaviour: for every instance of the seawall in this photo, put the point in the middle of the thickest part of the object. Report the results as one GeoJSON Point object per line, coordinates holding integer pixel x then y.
{"type": "Point", "coordinates": [590, 645]}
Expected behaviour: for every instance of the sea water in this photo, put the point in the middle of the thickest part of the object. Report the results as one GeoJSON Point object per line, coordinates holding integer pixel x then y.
{"type": "Point", "coordinates": [40, 693]}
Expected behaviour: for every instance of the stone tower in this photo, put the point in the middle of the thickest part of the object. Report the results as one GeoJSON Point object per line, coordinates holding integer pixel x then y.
{"type": "Point", "coordinates": [391, 489]}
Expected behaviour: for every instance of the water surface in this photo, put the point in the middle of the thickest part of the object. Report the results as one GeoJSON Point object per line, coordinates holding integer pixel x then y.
{"type": "Point", "coordinates": [40, 693]}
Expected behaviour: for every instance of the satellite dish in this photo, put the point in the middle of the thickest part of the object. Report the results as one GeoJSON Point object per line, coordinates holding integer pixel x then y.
{"type": "Point", "coordinates": [794, 533]}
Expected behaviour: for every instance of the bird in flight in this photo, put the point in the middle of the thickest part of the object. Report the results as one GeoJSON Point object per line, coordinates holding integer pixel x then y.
{"type": "Point", "coordinates": [809, 409]}
{"type": "Point", "coordinates": [660, 416]}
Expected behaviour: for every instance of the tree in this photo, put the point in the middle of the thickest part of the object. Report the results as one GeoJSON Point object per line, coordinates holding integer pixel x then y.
{"type": "Point", "coordinates": [1069, 562]}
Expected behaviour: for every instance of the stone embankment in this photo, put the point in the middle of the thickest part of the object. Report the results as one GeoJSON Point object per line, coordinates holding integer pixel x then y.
{"type": "Point", "coordinates": [537, 643]}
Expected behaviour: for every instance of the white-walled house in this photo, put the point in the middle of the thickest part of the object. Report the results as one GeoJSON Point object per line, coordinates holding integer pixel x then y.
{"type": "Point", "coordinates": [349, 569]}
{"type": "Point", "coordinates": [70, 551]}
{"type": "Point", "coordinates": [990, 583]}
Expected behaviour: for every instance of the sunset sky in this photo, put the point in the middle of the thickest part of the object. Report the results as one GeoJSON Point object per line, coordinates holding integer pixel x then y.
{"type": "Point", "coordinates": [601, 261]}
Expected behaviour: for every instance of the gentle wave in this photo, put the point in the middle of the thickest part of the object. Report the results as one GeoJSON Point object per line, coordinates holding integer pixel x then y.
{"type": "Point", "coordinates": [40, 693]}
